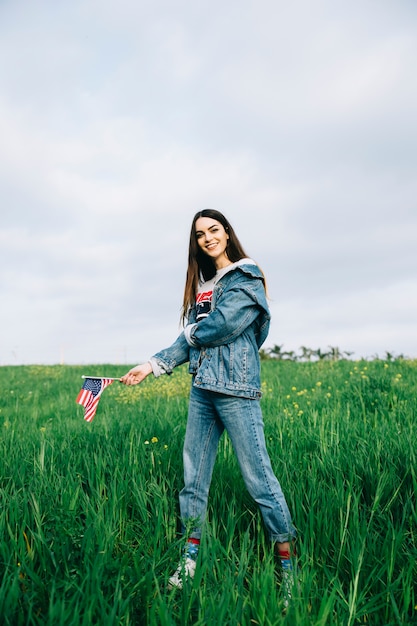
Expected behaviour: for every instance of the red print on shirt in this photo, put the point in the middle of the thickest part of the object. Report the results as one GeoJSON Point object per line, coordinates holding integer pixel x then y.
{"type": "Point", "coordinates": [203, 302]}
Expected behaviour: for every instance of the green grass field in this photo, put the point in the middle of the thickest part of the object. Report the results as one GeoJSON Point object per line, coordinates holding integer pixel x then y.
{"type": "Point", "coordinates": [88, 516]}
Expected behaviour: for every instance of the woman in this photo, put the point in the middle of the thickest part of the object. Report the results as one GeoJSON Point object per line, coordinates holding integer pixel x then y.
{"type": "Point", "coordinates": [226, 320]}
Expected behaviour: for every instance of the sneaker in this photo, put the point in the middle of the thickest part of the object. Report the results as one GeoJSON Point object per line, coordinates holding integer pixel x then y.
{"type": "Point", "coordinates": [185, 570]}
{"type": "Point", "coordinates": [287, 585]}
{"type": "Point", "coordinates": [290, 580]}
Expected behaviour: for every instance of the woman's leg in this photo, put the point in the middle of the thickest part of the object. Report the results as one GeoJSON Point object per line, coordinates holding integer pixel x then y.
{"type": "Point", "coordinates": [203, 432]}
{"type": "Point", "coordinates": [243, 421]}
{"type": "Point", "coordinates": [200, 447]}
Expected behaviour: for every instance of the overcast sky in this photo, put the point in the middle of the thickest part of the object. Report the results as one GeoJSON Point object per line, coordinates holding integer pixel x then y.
{"type": "Point", "coordinates": [120, 120]}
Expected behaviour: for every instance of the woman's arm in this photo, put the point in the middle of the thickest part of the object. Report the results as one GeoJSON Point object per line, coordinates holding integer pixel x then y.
{"type": "Point", "coordinates": [236, 310]}
{"type": "Point", "coordinates": [177, 354]}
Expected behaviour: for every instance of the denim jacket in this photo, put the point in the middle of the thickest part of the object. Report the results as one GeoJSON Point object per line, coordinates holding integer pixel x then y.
{"type": "Point", "coordinates": [223, 348]}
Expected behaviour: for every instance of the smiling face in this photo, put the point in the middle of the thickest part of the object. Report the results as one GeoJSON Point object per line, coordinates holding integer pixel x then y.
{"type": "Point", "coordinates": [212, 239]}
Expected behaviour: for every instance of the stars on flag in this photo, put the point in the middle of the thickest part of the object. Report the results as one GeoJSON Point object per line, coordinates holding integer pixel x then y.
{"type": "Point", "coordinates": [90, 393]}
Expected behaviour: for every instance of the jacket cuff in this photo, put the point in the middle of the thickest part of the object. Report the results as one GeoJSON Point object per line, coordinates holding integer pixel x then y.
{"type": "Point", "coordinates": [157, 367]}
{"type": "Point", "coordinates": [187, 334]}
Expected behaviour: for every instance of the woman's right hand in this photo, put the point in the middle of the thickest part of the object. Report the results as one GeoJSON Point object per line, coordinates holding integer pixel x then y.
{"type": "Point", "coordinates": [137, 374]}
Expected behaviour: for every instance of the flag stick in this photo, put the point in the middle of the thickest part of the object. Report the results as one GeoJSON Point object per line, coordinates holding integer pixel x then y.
{"type": "Point", "coordinates": [100, 377]}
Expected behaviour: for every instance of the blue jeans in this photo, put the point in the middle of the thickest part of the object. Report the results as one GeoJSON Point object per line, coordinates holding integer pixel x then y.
{"type": "Point", "coordinates": [209, 415]}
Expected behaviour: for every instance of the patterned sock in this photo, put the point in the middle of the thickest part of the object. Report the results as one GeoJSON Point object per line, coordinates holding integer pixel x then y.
{"type": "Point", "coordinates": [286, 564]}
{"type": "Point", "coordinates": [191, 548]}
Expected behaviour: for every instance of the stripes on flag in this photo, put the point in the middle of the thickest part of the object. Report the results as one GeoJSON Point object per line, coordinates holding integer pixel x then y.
{"type": "Point", "coordinates": [90, 395]}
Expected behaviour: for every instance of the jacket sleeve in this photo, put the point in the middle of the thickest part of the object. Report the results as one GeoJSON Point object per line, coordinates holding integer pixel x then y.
{"type": "Point", "coordinates": [235, 311]}
{"type": "Point", "coordinates": [177, 354]}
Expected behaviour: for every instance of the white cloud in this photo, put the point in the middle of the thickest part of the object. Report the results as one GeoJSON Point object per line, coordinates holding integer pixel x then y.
{"type": "Point", "coordinates": [368, 322]}
{"type": "Point", "coordinates": [118, 122]}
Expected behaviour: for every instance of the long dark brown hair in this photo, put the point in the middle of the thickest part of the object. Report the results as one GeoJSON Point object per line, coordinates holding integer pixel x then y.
{"type": "Point", "coordinates": [202, 266]}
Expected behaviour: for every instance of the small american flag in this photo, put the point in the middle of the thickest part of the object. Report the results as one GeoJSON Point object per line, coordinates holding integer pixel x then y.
{"type": "Point", "coordinates": [90, 395]}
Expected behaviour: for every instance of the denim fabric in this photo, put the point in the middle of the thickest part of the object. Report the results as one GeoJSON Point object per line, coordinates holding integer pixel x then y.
{"type": "Point", "coordinates": [209, 415]}
{"type": "Point", "coordinates": [224, 350]}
